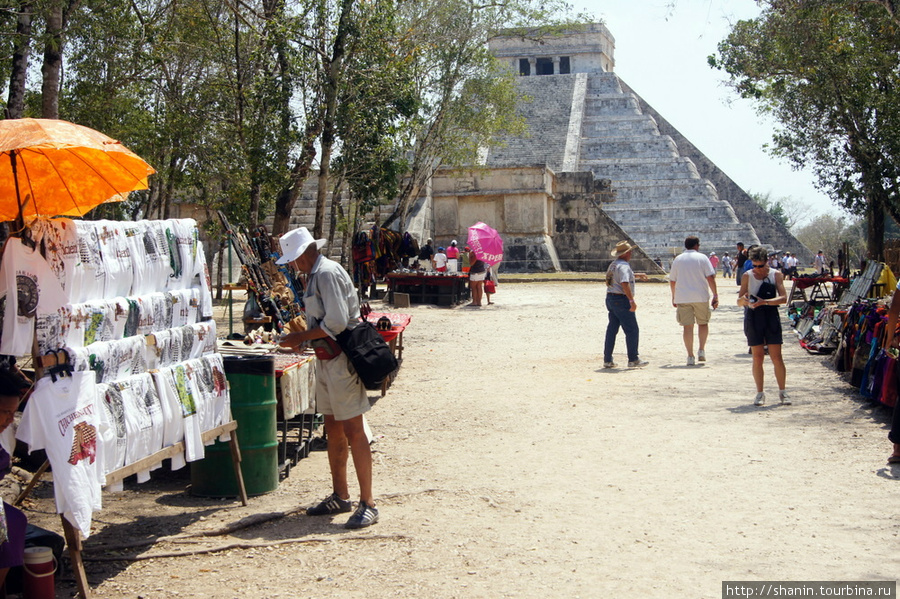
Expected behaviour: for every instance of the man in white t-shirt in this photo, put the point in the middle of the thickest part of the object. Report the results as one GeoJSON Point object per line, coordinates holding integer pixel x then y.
{"type": "Point", "coordinates": [819, 263]}
{"type": "Point", "coordinates": [691, 278]}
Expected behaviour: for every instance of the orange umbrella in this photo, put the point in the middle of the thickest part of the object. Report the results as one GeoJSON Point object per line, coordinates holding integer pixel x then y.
{"type": "Point", "coordinates": [57, 168]}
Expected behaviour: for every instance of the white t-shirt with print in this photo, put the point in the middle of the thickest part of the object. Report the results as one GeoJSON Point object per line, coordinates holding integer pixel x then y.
{"type": "Point", "coordinates": [29, 288]}
{"type": "Point", "coordinates": [62, 417]}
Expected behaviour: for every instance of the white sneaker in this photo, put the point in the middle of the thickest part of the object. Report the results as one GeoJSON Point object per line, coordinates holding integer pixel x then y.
{"type": "Point", "coordinates": [784, 397]}
{"type": "Point", "coordinates": [760, 399]}
{"type": "Point", "coordinates": [637, 363]}
{"type": "Point", "coordinates": [701, 355]}
{"type": "Point", "coordinates": [609, 364]}
{"type": "Point", "coordinates": [691, 361]}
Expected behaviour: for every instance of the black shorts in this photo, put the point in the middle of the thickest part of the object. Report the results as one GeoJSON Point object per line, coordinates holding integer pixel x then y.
{"type": "Point", "coordinates": [762, 326]}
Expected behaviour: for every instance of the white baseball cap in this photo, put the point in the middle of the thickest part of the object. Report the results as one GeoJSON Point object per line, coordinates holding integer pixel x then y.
{"type": "Point", "coordinates": [294, 243]}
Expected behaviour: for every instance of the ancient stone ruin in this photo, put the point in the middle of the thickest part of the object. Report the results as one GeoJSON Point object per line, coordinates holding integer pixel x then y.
{"type": "Point", "coordinates": [597, 166]}
{"type": "Point", "coordinates": [583, 118]}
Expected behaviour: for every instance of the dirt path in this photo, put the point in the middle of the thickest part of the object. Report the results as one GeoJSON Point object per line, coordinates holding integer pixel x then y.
{"type": "Point", "coordinates": [509, 464]}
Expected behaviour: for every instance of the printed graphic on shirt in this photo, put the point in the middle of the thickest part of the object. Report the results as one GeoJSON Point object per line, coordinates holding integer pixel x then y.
{"type": "Point", "coordinates": [84, 444]}
{"type": "Point", "coordinates": [27, 288]}
{"type": "Point", "coordinates": [185, 393]}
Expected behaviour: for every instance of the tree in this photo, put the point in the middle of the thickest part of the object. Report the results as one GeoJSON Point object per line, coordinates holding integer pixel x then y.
{"type": "Point", "coordinates": [466, 100]}
{"type": "Point", "coordinates": [785, 210]}
{"type": "Point", "coordinates": [827, 71]}
{"type": "Point", "coordinates": [828, 233]}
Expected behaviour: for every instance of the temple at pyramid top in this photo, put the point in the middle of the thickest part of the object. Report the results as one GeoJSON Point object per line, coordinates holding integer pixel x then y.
{"type": "Point", "coordinates": [590, 50]}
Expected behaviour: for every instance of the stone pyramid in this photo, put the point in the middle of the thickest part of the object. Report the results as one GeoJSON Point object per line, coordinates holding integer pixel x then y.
{"type": "Point", "coordinates": [583, 117]}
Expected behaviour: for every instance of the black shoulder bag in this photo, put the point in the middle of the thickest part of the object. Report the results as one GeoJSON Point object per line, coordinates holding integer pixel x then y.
{"type": "Point", "coordinates": [370, 355]}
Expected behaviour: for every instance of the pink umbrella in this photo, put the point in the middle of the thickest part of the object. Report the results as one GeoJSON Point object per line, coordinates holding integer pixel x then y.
{"type": "Point", "coordinates": [486, 243]}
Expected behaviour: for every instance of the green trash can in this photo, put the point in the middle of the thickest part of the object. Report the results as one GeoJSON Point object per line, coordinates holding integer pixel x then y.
{"type": "Point", "coordinates": [253, 405]}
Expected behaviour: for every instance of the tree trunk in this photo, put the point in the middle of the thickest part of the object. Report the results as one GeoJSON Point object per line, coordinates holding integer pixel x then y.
{"type": "Point", "coordinates": [15, 105]}
{"type": "Point", "coordinates": [255, 195]}
{"type": "Point", "coordinates": [875, 227]}
{"type": "Point", "coordinates": [334, 74]}
{"type": "Point", "coordinates": [284, 203]}
{"type": "Point", "coordinates": [219, 281]}
{"type": "Point", "coordinates": [52, 66]}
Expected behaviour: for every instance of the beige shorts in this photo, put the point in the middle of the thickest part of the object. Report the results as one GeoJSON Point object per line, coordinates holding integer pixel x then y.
{"type": "Point", "coordinates": [688, 314]}
{"type": "Point", "coordinates": [339, 392]}
{"type": "Point", "coordinates": [477, 276]}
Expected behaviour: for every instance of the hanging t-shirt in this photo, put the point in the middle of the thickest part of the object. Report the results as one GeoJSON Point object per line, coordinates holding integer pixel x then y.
{"type": "Point", "coordinates": [116, 254]}
{"type": "Point", "coordinates": [143, 418]}
{"type": "Point", "coordinates": [173, 421]}
{"type": "Point", "coordinates": [134, 237]}
{"type": "Point", "coordinates": [101, 322]}
{"type": "Point", "coordinates": [62, 417]}
{"type": "Point", "coordinates": [92, 270]}
{"type": "Point", "coordinates": [183, 238]}
{"type": "Point", "coordinates": [203, 282]}
{"type": "Point", "coordinates": [60, 239]}
{"type": "Point", "coordinates": [175, 388]}
{"type": "Point", "coordinates": [36, 292]}
{"type": "Point", "coordinates": [207, 375]}
{"type": "Point", "coordinates": [157, 251]}
{"type": "Point", "coordinates": [111, 453]}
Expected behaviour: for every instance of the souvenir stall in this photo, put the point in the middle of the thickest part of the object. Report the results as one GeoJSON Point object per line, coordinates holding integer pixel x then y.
{"type": "Point", "coordinates": [114, 316]}
{"type": "Point", "coordinates": [127, 370]}
{"type": "Point", "coordinates": [271, 289]}
{"type": "Point", "coordinates": [814, 301]}
{"type": "Point", "coordinates": [850, 325]}
{"type": "Point", "coordinates": [442, 289]}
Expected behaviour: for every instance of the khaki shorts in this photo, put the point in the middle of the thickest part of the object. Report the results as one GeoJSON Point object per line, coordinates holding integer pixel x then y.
{"type": "Point", "coordinates": [688, 314]}
{"type": "Point", "coordinates": [339, 392]}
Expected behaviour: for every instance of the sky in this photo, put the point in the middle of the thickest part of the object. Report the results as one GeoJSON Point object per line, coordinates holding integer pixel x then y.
{"type": "Point", "coordinates": [661, 51]}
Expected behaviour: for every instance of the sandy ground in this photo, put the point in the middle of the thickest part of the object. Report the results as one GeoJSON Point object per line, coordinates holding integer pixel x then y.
{"type": "Point", "coordinates": [508, 463]}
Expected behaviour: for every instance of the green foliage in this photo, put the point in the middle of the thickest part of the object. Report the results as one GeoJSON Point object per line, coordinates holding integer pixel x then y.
{"type": "Point", "coordinates": [826, 71]}
{"type": "Point", "coordinates": [828, 232]}
{"type": "Point", "coordinates": [223, 98]}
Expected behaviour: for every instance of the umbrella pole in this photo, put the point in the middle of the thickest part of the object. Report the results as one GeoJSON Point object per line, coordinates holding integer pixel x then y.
{"type": "Point", "coordinates": [20, 219]}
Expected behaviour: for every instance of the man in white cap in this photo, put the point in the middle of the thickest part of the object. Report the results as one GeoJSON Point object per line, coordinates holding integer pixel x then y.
{"type": "Point", "coordinates": [331, 307]}
{"type": "Point", "coordinates": [621, 306]}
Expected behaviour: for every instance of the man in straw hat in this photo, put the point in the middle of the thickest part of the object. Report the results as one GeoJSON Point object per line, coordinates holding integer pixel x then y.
{"type": "Point", "coordinates": [621, 305]}
{"type": "Point", "coordinates": [331, 307]}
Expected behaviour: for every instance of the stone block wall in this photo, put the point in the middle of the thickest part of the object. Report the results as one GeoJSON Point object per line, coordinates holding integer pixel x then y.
{"type": "Point", "coordinates": [547, 114]}
{"type": "Point", "coordinates": [767, 229]}
{"type": "Point", "coordinates": [584, 234]}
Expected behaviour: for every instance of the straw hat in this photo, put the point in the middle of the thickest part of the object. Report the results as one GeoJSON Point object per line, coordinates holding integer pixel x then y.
{"type": "Point", "coordinates": [294, 243]}
{"type": "Point", "coordinates": [623, 247]}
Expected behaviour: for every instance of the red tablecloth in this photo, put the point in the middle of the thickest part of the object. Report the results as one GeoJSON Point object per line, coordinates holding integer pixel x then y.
{"type": "Point", "coordinates": [399, 322]}
{"type": "Point", "coordinates": [804, 282]}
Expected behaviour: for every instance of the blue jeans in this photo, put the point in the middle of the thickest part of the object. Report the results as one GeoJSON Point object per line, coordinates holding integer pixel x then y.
{"type": "Point", "coordinates": [620, 315]}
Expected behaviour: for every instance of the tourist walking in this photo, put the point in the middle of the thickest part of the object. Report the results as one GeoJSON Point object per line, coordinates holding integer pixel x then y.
{"type": "Point", "coordinates": [621, 307]}
{"type": "Point", "coordinates": [477, 272]}
{"type": "Point", "coordinates": [819, 263]}
{"type": "Point", "coordinates": [332, 306]}
{"type": "Point", "coordinates": [726, 266]}
{"type": "Point", "coordinates": [691, 279]}
{"type": "Point", "coordinates": [762, 291]}
{"type": "Point", "coordinates": [740, 258]}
